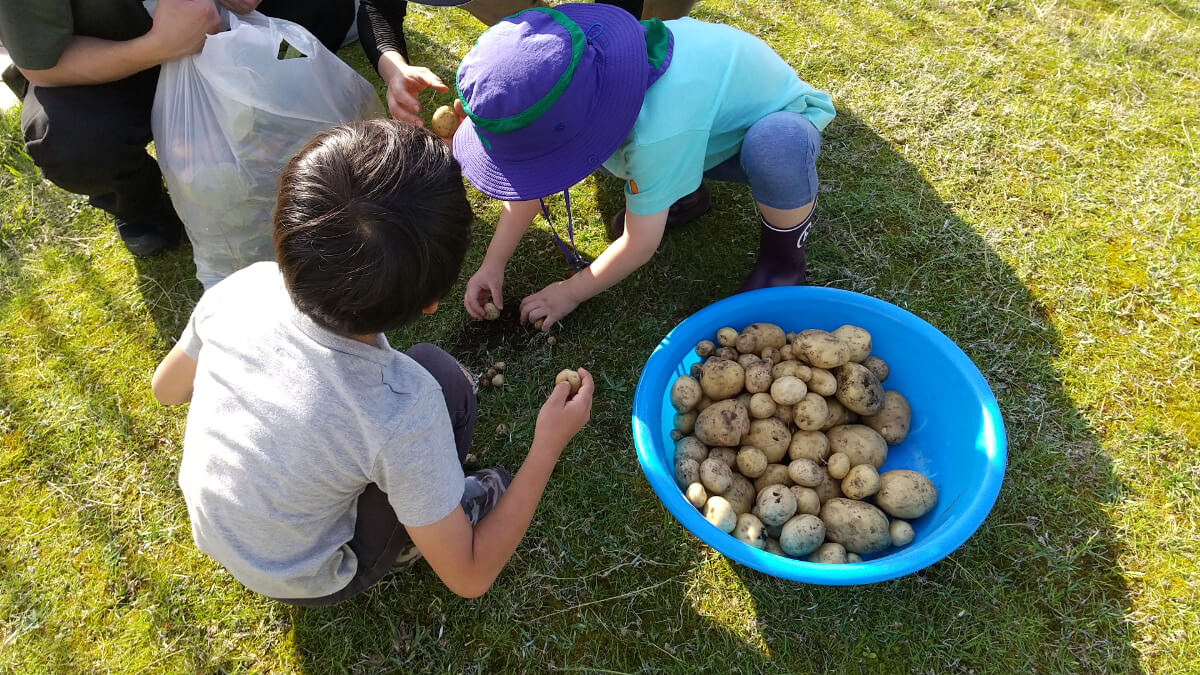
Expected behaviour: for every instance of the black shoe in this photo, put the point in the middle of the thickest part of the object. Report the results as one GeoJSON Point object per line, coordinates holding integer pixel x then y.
{"type": "Point", "coordinates": [782, 257]}
{"type": "Point", "coordinates": [150, 235]}
{"type": "Point", "coordinates": [684, 210]}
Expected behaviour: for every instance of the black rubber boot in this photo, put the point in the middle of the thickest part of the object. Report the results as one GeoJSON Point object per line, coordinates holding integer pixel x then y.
{"type": "Point", "coordinates": [685, 210]}
{"type": "Point", "coordinates": [781, 256]}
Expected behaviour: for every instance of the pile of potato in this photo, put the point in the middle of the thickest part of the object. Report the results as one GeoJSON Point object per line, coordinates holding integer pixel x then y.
{"type": "Point", "coordinates": [778, 438]}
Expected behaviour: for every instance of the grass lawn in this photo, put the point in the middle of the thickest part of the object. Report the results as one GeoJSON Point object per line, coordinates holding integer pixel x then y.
{"type": "Point", "coordinates": [1021, 174]}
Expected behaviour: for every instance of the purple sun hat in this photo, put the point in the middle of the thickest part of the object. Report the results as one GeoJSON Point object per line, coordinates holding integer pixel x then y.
{"type": "Point", "coordinates": [551, 93]}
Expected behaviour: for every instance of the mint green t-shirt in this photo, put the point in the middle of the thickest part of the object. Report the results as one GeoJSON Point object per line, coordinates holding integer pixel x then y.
{"type": "Point", "coordinates": [720, 81]}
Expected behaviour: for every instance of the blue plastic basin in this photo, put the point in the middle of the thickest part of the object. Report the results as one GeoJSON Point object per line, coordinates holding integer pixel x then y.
{"type": "Point", "coordinates": [957, 437]}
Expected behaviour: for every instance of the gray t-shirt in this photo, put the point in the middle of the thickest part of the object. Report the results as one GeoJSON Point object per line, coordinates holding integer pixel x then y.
{"type": "Point", "coordinates": [288, 424]}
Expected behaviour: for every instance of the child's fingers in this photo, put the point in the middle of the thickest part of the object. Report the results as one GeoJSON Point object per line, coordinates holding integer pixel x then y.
{"type": "Point", "coordinates": [558, 396]}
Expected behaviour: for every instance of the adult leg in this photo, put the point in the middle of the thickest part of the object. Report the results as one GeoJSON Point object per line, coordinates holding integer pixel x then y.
{"type": "Point", "coordinates": [327, 20]}
{"type": "Point", "coordinates": [91, 140]}
{"type": "Point", "coordinates": [667, 9]}
{"type": "Point", "coordinates": [491, 11]}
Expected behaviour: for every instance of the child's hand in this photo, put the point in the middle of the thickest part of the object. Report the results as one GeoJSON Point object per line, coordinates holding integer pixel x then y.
{"type": "Point", "coordinates": [563, 415]}
{"type": "Point", "coordinates": [486, 284]}
{"type": "Point", "coordinates": [551, 304]}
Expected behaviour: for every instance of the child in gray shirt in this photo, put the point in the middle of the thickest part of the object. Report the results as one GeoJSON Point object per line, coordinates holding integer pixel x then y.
{"type": "Point", "coordinates": [316, 457]}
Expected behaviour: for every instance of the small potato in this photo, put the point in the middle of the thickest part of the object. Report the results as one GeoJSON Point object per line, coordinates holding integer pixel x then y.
{"type": "Point", "coordinates": [906, 494]}
{"type": "Point", "coordinates": [785, 353]}
{"type": "Point", "coordinates": [498, 380]}
{"type": "Point", "coordinates": [829, 553]}
{"type": "Point", "coordinates": [893, 419]}
{"type": "Point", "coordinates": [490, 311]}
{"type": "Point", "coordinates": [775, 505]}
{"type": "Point", "coordinates": [685, 392]}
{"type": "Point", "coordinates": [809, 445]}
{"type": "Point", "coordinates": [783, 413]}
{"type": "Point", "coordinates": [716, 476]}
{"type": "Point", "coordinates": [771, 436]}
{"type": "Point", "coordinates": [878, 367]}
{"type": "Point", "coordinates": [746, 344]}
{"type": "Point", "coordinates": [726, 455]}
{"type": "Point", "coordinates": [696, 495]}
{"type": "Point", "coordinates": [696, 370]}
{"type": "Point", "coordinates": [761, 406]}
{"type": "Point", "coordinates": [676, 434]}
{"type": "Point", "coordinates": [766, 335]}
{"type": "Point", "coordinates": [722, 379]}
{"type": "Point", "coordinates": [810, 413]}
{"type": "Point", "coordinates": [727, 337]}
{"type": "Point", "coordinates": [776, 474]}
{"type": "Point", "coordinates": [821, 349]}
{"type": "Point", "coordinates": [858, 390]}
{"type": "Point", "coordinates": [807, 500]}
{"type": "Point", "coordinates": [857, 339]}
{"type": "Point", "coordinates": [719, 512]}
{"type": "Point", "coordinates": [723, 423]}
{"type": "Point", "coordinates": [685, 422]}
{"type": "Point", "coordinates": [829, 488]}
{"type": "Point", "coordinates": [838, 465]}
{"type": "Point", "coordinates": [751, 461]}
{"type": "Point", "coordinates": [801, 535]}
{"type": "Point", "coordinates": [727, 353]}
{"type": "Point", "coordinates": [859, 442]}
{"type": "Point", "coordinates": [690, 447]}
{"type": "Point", "coordinates": [791, 367]}
{"type": "Point", "coordinates": [743, 399]}
{"type": "Point", "coordinates": [901, 532]}
{"type": "Point", "coordinates": [806, 472]}
{"type": "Point", "coordinates": [749, 530]}
{"type": "Point", "coordinates": [744, 360]}
{"type": "Point", "coordinates": [788, 390]}
{"type": "Point", "coordinates": [758, 377]}
{"type": "Point", "coordinates": [790, 336]}
{"type": "Point", "coordinates": [823, 382]}
{"type": "Point", "coordinates": [705, 348]}
{"type": "Point", "coordinates": [770, 355]}
{"type": "Point", "coordinates": [702, 404]}
{"type": "Point", "coordinates": [741, 494]}
{"type": "Point", "coordinates": [773, 546]}
{"type": "Point", "coordinates": [687, 471]}
{"type": "Point", "coordinates": [444, 121]}
{"type": "Point", "coordinates": [852, 558]}
{"type": "Point", "coordinates": [861, 482]}
{"type": "Point", "coordinates": [858, 526]}
{"type": "Point", "coordinates": [572, 378]}
{"type": "Point", "coordinates": [838, 414]}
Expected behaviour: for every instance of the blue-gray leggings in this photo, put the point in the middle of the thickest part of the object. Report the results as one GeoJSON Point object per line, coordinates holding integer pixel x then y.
{"type": "Point", "coordinates": [778, 160]}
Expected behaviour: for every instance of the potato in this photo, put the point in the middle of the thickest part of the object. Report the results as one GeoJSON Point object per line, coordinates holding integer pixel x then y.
{"type": "Point", "coordinates": [771, 436]}
{"type": "Point", "coordinates": [749, 530]}
{"type": "Point", "coordinates": [857, 339]}
{"type": "Point", "coordinates": [859, 442]}
{"type": "Point", "coordinates": [906, 494]}
{"type": "Point", "coordinates": [773, 546]}
{"type": "Point", "coordinates": [838, 414]}
{"type": "Point", "coordinates": [490, 311]}
{"type": "Point", "coordinates": [858, 390]}
{"type": "Point", "coordinates": [498, 380]}
{"type": "Point", "coordinates": [806, 472]}
{"type": "Point", "coordinates": [705, 348]}
{"type": "Point", "coordinates": [783, 413]}
{"type": "Point", "coordinates": [838, 465]}
{"type": "Point", "coordinates": [801, 535]}
{"type": "Point", "coordinates": [770, 355]}
{"type": "Point", "coordinates": [858, 526]}
{"type": "Point", "coordinates": [572, 378]}
{"type": "Point", "coordinates": [719, 512]}
{"type": "Point", "coordinates": [766, 335]}
{"type": "Point", "coordinates": [829, 553]}
{"type": "Point", "coordinates": [726, 455]}
{"type": "Point", "coordinates": [727, 353]}
{"type": "Point", "coordinates": [751, 461]}
{"type": "Point", "coordinates": [746, 344]}
{"type": "Point", "coordinates": [788, 390]}
{"type": "Point", "coordinates": [741, 494]}
{"type": "Point", "coordinates": [822, 381]}
{"type": "Point", "coordinates": [676, 434]}
{"type": "Point", "coordinates": [852, 558]}
{"type": "Point", "coordinates": [793, 368]}
{"type": "Point", "coordinates": [723, 423]}
{"type": "Point", "coordinates": [901, 533]}
{"type": "Point", "coordinates": [687, 471]}
{"type": "Point", "coordinates": [727, 337]}
{"type": "Point", "coordinates": [878, 367]}
{"type": "Point", "coordinates": [776, 474]}
{"type": "Point", "coordinates": [696, 370]}
{"type": "Point", "coordinates": [744, 360]}
{"type": "Point", "coordinates": [861, 482]}
{"type": "Point", "coordinates": [716, 476]}
{"type": "Point", "coordinates": [444, 121]}
{"type": "Point", "coordinates": [690, 447]}
{"type": "Point", "coordinates": [743, 400]}
{"type": "Point", "coordinates": [696, 495]}
{"type": "Point", "coordinates": [809, 445]}
{"type": "Point", "coordinates": [762, 406]}
{"type": "Point", "coordinates": [807, 500]}
{"type": "Point", "coordinates": [893, 419]}
{"type": "Point", "coordinates": [685, 422]}
{"type": "Point", "coordinates": [821, 349]}
{"type": "Point", "coordinates": [758, 377]}
{"type": "Point", "coordinates": [775, 505]}
{"type": "Point", "coordinates": [828, 489]}
{"type": "Point", "coordinates": [785, 353]}
{"type": "Point", "coordinates": [685, 392]}
{"type": "Point", "coordinates": [809, 414]}
{"type": "Point", "coordinates": [723, 379]}
{"type": "Point", "coordinates": [704, 403]}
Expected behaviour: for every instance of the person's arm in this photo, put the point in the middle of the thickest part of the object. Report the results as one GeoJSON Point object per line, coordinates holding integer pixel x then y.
{"type": "Point", "coordinates": [179, 29]}
{"type": "Point", "coordinates": [172, 381]}
{"type": "Point", "coordinates": [467, 559]}
{"type": "Point", "coordinates": [630, 251]}
{"type": "Point", "coordinates": [488, 281]}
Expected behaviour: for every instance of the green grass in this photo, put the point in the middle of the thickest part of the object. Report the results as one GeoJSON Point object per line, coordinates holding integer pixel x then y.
{"type": "Point", "coordinates": [1023, 175]}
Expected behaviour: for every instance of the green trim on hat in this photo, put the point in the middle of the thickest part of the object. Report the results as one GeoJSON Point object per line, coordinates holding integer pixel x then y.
{"type": "Point", "coordinates": [529, 115]}
{"type": "Point", "coordinates": [658, 42]}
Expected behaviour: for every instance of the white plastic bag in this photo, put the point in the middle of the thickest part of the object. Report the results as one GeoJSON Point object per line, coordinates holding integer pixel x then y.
{"type": "Point", "coordinates": [228, 119]}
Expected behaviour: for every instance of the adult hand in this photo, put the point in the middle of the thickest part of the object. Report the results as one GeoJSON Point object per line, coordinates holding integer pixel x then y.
{"type": "Point", "coordinates": [563, 415]}
{"type": "Point", "coordinates": [404, 81]}
{"type": "Point", "coordinates": [180, 27]}
{"type": "Point", "coordinates": [487, 283]}
{"type": "Point", "coordinates": [240, 6]}
{"type": "Point", "coordinates": [549, 304]}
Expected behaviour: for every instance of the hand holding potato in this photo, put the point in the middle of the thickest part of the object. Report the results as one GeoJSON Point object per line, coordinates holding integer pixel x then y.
{"type": "Point", "coordinates": [550, 304]}
{"type": "Point", "coordinates": [487, 283]}
{"type": "Point", "coordinates": [564, 414]}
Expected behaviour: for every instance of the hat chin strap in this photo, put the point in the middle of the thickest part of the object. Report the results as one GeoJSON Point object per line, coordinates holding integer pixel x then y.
{"type": "Point", "coordinates": [570, 252]}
